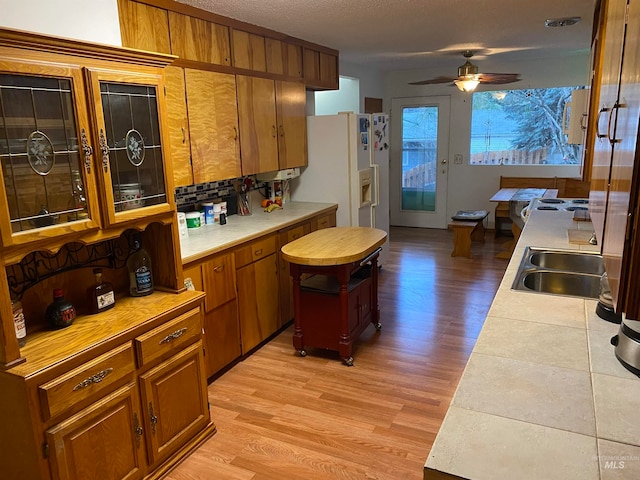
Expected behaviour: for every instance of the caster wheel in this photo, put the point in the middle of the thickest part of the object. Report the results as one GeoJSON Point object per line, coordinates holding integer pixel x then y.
{"type": "Point", "coordinates": [378, 326]}
{"type": "Point", "coordinates": [303, 353]}
{"type": "Point", "coordinates": [348, 361]}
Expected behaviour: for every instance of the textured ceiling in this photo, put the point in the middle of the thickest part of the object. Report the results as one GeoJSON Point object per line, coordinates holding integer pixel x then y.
{"type": "Point", "coordinates": [417, 34]}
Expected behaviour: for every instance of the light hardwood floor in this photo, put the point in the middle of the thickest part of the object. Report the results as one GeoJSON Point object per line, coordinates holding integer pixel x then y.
{"type": "Point", "coordinates": [281, 417]}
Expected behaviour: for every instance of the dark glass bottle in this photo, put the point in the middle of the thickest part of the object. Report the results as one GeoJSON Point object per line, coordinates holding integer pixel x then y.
{"type": "Point", "coordinates": [101, 295]}
{"type": "Point", "coordinates": [139, 266]}
{"type": "Point", "coordinates": [60, 313]}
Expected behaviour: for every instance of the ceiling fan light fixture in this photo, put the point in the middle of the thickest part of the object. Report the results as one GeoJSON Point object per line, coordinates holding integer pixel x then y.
{"type": "Point", "coordinates": [467, 83]}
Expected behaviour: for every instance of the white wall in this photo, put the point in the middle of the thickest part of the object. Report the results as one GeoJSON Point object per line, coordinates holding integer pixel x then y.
{"type": "Point", "coordinates": [469, 187]}
{"type": "Point", "coordinates": [345, 99]}
{"type": "Point", "coordinates": [371, 82]}
{"type": "Point", "coordinates": [89, 20]}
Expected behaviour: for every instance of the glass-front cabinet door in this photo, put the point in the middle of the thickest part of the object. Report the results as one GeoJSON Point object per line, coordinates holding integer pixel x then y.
{"type": "Point", "coordinates": [45, 149]}
{"type": "Point", "coordinates": [128, 108]}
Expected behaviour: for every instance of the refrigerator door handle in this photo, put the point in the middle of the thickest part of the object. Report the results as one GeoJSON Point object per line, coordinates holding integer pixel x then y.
{"type": "Point", "coordinates": [376, 182]}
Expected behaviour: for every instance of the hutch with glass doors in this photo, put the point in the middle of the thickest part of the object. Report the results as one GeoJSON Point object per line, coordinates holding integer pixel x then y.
{"type": "Point", "coordinates": [83, 142]}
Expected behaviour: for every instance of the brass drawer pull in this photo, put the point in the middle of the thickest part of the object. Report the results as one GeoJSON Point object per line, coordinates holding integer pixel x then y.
{"type": "Point", "coordinates": [137, 429]}
{"type": "Point", "coordinates": [173, 336]}
{"type": "Point", "coordinates": [153, 420]}
{"type": "Point", "coordinates": [257, 252]}
{"type": "Point", "coordinates": [97, 378]}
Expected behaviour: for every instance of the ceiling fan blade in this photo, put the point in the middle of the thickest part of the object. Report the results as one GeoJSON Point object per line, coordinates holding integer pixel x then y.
{"type": "Point", "coordinates": [433, 81]}
{"type": "Point", "coordinates": [498, 78]}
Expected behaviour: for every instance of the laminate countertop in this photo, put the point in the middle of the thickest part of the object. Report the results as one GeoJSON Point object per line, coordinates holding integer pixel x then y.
{"type": "Point", "coordinates": [210, 239]}
{"type": "Point", "coordinates": [542, 396]}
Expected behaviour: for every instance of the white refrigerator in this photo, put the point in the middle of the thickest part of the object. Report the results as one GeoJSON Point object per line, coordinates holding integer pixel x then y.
{"type": "Point", "coordinates": [348, 164]}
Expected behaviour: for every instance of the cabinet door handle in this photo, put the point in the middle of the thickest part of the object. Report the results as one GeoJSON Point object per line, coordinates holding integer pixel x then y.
{"type": "Point", "coordinates": [281, 130]}
{"type": "Point", "coordinates": [218, 268]}
{"type": "Point", "coordinates": [275, 132]}
{"type": "Point", "coordinates": [235, 133]}
{"type": "Point", "coordinates": [137, 429]}
{"type": "Point", "coordinates": [598, 134]}
{"type": "Point", "coordinates": [257, 252]}
{"type": "Point", "coordinates": [97, 378]}
{"type": "Point", "coordinates": [104, 148]}
{"type": "Point", "coordinates": [152, 419]}
{"type": "Point", "coordinates": [172, 336]}
{"type": "Point", "coordinates": [616, 109]}
{"type": "Point", "coordinates": [184, 136]}
{"type": "Point", "coordinates": [87, 150]}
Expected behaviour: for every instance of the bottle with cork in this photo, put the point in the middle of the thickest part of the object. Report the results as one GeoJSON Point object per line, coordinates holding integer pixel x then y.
{"type": "Point", "coordinates": [100, 295]}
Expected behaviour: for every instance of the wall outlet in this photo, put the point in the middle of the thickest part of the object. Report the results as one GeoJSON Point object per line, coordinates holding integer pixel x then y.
{"type": "Point", "coordinates": [457, 159]}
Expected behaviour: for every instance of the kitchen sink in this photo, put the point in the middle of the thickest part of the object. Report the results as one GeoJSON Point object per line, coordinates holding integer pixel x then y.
{"type": "Point", "coordinates": [557, 272]}
{"type": "Point", "coordinates": [567, 261]}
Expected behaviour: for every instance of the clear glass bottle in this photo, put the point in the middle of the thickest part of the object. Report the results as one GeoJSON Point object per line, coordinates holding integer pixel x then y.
{"type": "Point", "coordinates": [100, 295]}
{"type": "Point", "coordinates": [60, 313]}
{"type": "Point", "coordinates": [139, 266]}
{"type": "Point", "coordinates": [19, 322]}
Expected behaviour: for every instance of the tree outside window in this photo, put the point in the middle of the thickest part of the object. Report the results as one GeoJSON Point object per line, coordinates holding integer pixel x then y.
{"type": "Point", "coordinates": [521, 127]}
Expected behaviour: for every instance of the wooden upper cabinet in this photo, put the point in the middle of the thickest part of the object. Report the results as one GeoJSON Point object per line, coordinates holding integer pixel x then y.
{"type": "Point", "coordinates": [200, 40]}
{"type": "Point", "coordinates": [284, 58]}
{"type": "Point", "coordinates": [144, 27]}
{"type": "Point", "coordinates": [178, 126]}
{"type": "Point", "coordinates": [257, 120]}
{"type": "Point", "coordinates": [320, 69]}
{"type": "Point", "coordinates": [291, 101]}
{"type": "Point", "coordinates": [249, 51]}
{"type": "Point", "coordinates": [213, 125]}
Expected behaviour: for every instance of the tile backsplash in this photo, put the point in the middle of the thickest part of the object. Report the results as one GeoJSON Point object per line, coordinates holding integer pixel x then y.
{"type": "Point", "coordinates": [191, 195]}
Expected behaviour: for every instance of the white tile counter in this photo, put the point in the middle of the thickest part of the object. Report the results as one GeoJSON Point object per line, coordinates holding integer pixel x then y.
{"type": "Point", "coordinates": [542, 396]}
{"type": "Point", "coordinates": [210, 239]}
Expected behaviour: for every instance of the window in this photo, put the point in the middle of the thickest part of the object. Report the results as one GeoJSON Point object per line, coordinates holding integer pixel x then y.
{"type": "Point", "coordinates": [522, 127]}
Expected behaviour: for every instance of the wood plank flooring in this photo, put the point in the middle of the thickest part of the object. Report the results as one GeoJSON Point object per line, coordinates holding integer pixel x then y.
{"type": "Point", "coordinates": [280, 416]}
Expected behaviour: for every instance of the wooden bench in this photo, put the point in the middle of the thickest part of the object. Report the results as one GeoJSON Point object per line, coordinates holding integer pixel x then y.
{"type": "Point", "coordinates": [464, 232]}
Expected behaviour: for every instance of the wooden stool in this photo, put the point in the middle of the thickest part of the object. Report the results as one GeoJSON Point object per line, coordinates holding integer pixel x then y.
{"type": "Point", "coordinates": [467, 226]}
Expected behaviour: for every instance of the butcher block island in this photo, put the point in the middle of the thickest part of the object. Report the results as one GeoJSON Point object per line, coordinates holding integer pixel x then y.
{"type": "Point", "coordinates": [338, 297]}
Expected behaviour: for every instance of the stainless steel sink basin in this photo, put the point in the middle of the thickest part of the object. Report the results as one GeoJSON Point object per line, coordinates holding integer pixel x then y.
{"type": "Point", "coordinates": [558, 272]}
{"type": "Point", "coordinates": [562, 283]}
{"type": "Point", "coordinates": [568, 261]}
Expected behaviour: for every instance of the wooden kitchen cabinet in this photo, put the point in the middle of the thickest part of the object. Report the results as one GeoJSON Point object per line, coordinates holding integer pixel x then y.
{"type": "Point", "coordinates": [199, 40]}
{"type": "Point", "coordinates": [257, 120]}
{"type": "Point", "coordinates": [144, 27]}
{"type": "Point", "coordinates": [616, 169]}
{"type": "Point", "coordinates": [104, 441]}
{"type": "Point", "coordinates": [286, 287]}
{"type": "Point", "coordinates": [178, 126]}
{"type": "Point", "coordinates": [283, 58]}
{"type": "Point", "coordinates": [174, 399]}
{"type": "Point", "coordinates": [258, 299]}
{"type": "Point", "coordinates": [320, 69]}
{"type": "Point", "coordinates": [221, 326]}
{"type": "Point", "coordinates": [273, 124]}
{"type": "Point", "coordinates": [213, 125]}
{"type": "Point", "coordinates": [249, 51]}
{"type": "Point", "coordinates": [291, 108]}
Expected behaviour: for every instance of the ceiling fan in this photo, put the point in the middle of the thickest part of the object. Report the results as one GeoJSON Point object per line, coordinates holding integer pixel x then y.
{"type": "Point", "coordinates": [468, 77]}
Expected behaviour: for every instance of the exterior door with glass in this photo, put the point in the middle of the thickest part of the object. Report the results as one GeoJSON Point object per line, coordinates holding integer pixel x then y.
{"type": "Point", "coordinates": [419, 161]}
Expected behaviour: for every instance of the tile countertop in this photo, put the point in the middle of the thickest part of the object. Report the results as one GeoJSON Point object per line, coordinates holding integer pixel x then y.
{"type": "Point", "coordinates": [211, 239]}
{"type": "Point", "coordinates": [542, 396]}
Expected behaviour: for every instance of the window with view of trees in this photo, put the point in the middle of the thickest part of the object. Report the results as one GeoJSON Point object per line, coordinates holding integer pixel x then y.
{"type": "Point", "coordinates": [521, 127]}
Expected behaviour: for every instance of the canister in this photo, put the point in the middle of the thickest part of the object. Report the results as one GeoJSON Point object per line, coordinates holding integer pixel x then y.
{"type": "Point", "coordinates": [208, 213]}
{"type": "Point", "coordinates": [182, 225]}
{"type": "Point", "coordinates": [217, 208]}
{"type": "Point", "coordinates": [193, 220]}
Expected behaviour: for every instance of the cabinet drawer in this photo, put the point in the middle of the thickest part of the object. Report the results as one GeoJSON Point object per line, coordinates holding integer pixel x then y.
{"type": "Point", "coordinates": [86, 381]}
{"type": "Point", "coordinates": [255, 251]}
{"type": "Point", "coordinates": [324, 221]}
{"type": "Point", "coordinates": [169, 337]}
{"type": "Point", "coordinates": [297, 232]}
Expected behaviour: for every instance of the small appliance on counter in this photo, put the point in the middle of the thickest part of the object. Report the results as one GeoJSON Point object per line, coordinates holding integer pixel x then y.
{"type": "Point", "coordinates": [278, 183]}
{"type": "Point", "coordinates": [627, 344]}
{"type": "Point", "coordinates": [605, 309]}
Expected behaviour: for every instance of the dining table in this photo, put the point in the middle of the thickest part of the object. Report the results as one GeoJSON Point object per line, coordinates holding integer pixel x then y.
{"type": "Point", "coordinates": [518, 198]}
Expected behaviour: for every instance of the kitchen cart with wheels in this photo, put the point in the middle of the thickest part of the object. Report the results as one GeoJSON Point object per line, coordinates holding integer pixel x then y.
{"type": "Point", "coordinates": [338, 296]}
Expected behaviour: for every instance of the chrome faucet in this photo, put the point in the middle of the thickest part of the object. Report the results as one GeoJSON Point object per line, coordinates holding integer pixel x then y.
{"type": "Point", "coordinates": [593, 240]}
